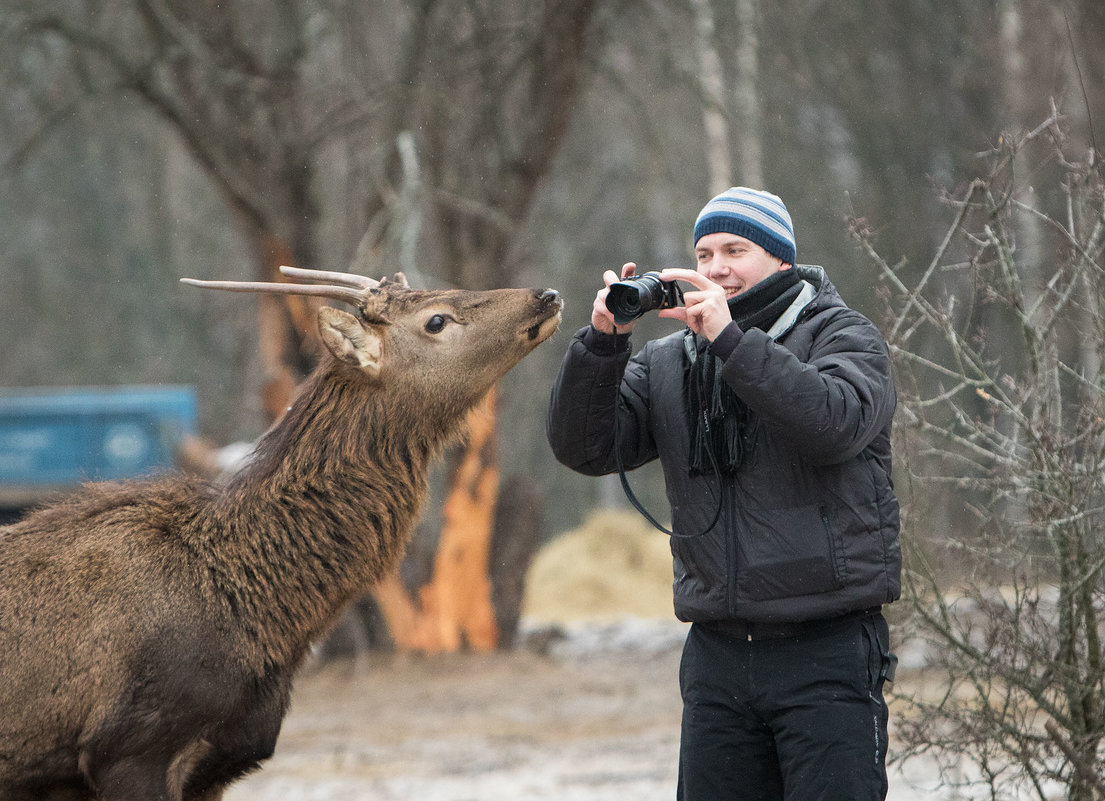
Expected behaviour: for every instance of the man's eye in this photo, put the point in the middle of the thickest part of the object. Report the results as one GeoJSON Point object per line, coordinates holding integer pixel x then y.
{"type": "Point", "coordinates": [436, 323]}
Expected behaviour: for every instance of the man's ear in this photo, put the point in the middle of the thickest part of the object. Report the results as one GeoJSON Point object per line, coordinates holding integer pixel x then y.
{"type": "Point", "coordinates": [350, 341]}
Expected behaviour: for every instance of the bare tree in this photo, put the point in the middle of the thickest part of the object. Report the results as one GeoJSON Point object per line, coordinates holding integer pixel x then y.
{"type": "Point", "coordinates": [748, 96]}
{"type": "Point", "coordinates": [715, 120]}
{"type": "Point", "coordinates": [733, 128]}
{"type": "Point", "coordinates": [1003, 411]}
{"type": "Point", "coordinates": [455, 108]}
{"type": "Point", "coordinates": [232, 87]}
{"type": "Point", "coordinates": [489, 127]}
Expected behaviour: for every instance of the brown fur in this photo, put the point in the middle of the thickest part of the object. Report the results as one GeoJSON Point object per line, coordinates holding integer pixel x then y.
{"type": "Point", "coordinates": [149, 630]}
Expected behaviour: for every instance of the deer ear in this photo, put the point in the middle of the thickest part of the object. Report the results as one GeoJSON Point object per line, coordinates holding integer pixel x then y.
{"type": "Point", "coordinates": [349, 340]}
{"type": "Point", "coordinates": [396, 278]}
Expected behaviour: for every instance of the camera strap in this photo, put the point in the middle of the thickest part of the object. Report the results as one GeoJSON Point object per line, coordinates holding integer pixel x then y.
{"type": "Point", "coordinates": [640, 507]}
{"type": "Point", "coordinates": [625, 479]}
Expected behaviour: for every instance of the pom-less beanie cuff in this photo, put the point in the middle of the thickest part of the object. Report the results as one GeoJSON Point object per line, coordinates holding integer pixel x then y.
{"type": "Point", "coordinates": [758, 216]}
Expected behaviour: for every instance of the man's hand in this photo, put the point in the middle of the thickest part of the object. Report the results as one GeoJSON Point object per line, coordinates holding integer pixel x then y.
{"type": "Point", "coordinates": [704, 308]}
{"type": "Point", "coordinates": [601, 318]}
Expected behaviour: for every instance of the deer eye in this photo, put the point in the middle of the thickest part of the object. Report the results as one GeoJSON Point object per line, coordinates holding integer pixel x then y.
{"type": "Point", "coordinates": [436, 324]}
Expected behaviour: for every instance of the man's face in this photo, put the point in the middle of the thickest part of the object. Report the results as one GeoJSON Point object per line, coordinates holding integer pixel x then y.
{"type": "Point", "coordinates": [734, 262]}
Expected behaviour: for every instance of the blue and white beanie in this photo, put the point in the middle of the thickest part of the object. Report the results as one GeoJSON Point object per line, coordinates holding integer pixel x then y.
{"type": "Point", "coordinates": [756, 215]}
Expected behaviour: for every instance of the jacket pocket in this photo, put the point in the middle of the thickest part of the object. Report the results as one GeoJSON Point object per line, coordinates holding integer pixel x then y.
{"type": "Point", "coordinates": [789, 552]}
{"type": "Point", "coordinates": [701, 561]}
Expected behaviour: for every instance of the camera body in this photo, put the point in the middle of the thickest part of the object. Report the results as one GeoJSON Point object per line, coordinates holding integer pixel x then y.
{"type": "Point", "coordinates": [631, 297]}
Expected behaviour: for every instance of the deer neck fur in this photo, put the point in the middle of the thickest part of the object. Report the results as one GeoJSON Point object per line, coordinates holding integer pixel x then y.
{"type": "Point", "coordinates": [324, 508]}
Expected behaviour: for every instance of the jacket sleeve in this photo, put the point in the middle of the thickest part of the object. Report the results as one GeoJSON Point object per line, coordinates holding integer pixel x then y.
{"type": "Point", "coordinates": [832, 406]}
{"type": "Point", "coordinates": [600, 392]}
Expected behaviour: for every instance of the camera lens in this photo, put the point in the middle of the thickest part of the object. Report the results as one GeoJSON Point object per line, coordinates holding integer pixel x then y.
{"type": "Point", "coordinates": [629, 299]}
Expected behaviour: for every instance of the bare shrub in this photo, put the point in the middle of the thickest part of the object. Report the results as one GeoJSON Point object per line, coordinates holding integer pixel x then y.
{"type": "Point", "coordinates": [998, 347]}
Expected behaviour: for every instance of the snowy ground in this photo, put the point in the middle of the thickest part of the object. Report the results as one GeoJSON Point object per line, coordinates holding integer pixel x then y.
{"type": "Point", "coordinates": [595, 717]}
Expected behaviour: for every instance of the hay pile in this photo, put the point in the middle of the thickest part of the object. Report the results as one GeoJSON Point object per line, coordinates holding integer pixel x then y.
{"type": "Point", "coordinates": [614, 566]}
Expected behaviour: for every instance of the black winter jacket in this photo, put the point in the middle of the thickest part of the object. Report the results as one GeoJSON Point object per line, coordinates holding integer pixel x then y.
{"type": "Point", "coordinates": [809, 522]}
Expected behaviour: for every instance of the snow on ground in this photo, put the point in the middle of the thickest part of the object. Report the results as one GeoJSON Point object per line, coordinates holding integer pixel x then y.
{"type": "Point", "coordinates": [587, 710]}
{"type": "Point", "coordinates": [594, 717]}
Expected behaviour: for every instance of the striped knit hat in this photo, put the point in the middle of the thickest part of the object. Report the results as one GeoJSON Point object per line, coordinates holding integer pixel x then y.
{"type": "Point", "coordinates": [757, 216]}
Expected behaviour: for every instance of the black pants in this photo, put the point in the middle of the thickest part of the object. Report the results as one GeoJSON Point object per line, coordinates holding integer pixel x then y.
{"type": "Point", "coordinates": [796, 718]}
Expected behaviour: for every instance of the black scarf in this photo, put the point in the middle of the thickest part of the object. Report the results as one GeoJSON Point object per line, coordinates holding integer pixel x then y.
{"type": "Point", "coordinates": [717, 417]}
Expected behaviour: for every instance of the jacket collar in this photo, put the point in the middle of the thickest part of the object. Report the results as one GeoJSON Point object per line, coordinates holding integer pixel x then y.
{"type": "Point", "coordinates": [813, 280]}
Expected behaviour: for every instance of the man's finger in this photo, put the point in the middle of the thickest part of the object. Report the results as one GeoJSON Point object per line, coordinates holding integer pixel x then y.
{"type": "Point", "coordinates": [690, 276]}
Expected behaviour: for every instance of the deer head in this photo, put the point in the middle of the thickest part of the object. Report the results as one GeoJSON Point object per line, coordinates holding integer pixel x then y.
{"type": "Point", "coordinates": [448, 346]}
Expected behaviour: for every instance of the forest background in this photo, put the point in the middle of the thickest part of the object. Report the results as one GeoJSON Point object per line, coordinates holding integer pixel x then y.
{"type": "Point", "coordinates": [485, 143]}
{"type": "Point", "coordinates": [473, 143]}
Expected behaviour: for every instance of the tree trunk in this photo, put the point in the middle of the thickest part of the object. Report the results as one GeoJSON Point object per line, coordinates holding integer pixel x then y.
{"type": "Point", "coordinates": [454, 609]}
{"type": "Point", "coordinates": [748, 117]}
{"type": "Point", "coordinates": [712, 86]}
{"type": "Point", "coordinates": [288, 338]}
{"type": "Point", "coordinates": [517, 535]}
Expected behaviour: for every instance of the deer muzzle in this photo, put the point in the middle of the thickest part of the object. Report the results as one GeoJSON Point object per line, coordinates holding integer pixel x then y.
{"type": "Point", "coordinates": [549, 307]}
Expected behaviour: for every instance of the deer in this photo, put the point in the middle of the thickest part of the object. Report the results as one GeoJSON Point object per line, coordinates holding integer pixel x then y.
{"type": "Point", "coordinates": [150, 629]}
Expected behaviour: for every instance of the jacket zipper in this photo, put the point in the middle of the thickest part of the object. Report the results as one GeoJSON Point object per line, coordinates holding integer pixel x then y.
{"type": "Point", "coordinates": [732, 552]}
{"type": "Point", "coordinates": [826, 524]}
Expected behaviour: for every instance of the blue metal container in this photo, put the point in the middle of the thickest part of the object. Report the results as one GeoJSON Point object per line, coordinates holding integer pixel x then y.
{"type": "Point", "coordinates": [55, 439]}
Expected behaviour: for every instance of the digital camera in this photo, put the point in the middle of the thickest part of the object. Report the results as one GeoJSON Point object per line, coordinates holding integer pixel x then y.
{"type": "Point", "coordinates": [631, 297]}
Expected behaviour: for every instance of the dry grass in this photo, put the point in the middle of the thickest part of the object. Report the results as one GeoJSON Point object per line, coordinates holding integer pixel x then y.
{"type": "Point", "coordinates": [613, 566]}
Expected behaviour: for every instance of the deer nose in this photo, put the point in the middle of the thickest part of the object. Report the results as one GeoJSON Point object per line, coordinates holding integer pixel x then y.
{"type": "Point", "coordinates": [547, 297]}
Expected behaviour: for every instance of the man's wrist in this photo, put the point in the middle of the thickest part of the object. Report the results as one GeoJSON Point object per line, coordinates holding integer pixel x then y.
{"type": "Point", "coordinates": [726, 342]}
{"type": "Point", "coordinates": [603, 344]}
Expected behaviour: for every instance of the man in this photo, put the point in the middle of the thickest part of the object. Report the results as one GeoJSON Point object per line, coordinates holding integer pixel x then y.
{"type": "Point", "coordinates": [770, 414]}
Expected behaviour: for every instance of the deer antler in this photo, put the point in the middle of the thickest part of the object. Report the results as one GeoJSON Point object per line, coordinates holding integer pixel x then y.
{"type": "Point", "coordinates": [342, 279]}
{"type": "Point", "coordinates": [346, 287]}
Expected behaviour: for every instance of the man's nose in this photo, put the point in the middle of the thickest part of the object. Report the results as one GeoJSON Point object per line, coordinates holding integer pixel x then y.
{"type": "Point", "coordinates": [716, 268]}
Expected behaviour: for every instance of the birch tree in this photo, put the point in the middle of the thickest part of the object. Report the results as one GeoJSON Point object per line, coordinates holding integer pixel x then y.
{"type": "Point", "coordinates": [748, 94]}
{"type": "Point", "coordinates": [732, 121]}
{"type": "Point", "coordinates": [715, 119]}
